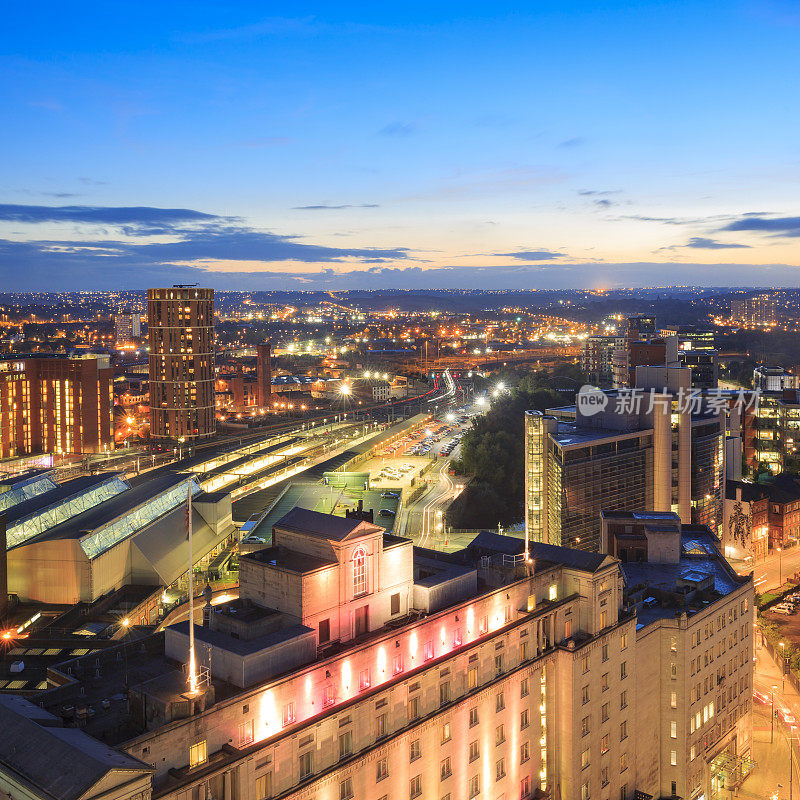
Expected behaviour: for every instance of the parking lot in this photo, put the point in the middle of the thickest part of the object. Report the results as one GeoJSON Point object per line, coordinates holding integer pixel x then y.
{"type": "Point", "coordinates": [787, 623]}
{"type": "Point", "coordinates": [388, 473]}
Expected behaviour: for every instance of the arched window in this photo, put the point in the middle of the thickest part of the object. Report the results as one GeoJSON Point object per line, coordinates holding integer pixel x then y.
{"type": "Point", "coordinates": [359, 572]}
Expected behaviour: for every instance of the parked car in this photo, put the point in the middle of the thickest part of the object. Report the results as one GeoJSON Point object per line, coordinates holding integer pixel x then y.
{"type": "Point", "coordinates": [784, 608]}
{"type": "Point", "coordinates": [386, 512]}
{"type": "Point", "coordinates": [393, 495]}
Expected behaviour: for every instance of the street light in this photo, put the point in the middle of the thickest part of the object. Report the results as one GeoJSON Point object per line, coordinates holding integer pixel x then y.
{"type": "Point", "coordinates": [772, 715]}
{"type": "Point", "coordinates": [783, 665]}
{"type": "Point", "coordinates": [780, 567]}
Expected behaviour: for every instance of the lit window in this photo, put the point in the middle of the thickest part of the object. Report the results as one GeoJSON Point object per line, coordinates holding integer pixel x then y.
{"type": "Point", "coordinates": [198, 754]}
{"type": "Point", "coordinates": [359, 572]}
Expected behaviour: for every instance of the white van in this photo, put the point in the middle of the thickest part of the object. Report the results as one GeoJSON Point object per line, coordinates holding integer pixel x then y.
{"type": "Point", "coordinates": [784, 608]}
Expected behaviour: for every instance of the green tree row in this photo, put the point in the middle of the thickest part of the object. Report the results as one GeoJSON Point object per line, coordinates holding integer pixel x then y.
{"type": "Point", "coordinates": [492, 451]}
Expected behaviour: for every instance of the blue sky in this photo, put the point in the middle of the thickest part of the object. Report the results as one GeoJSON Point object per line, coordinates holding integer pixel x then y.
{"type": "Point", "coordinates": [451, 144]}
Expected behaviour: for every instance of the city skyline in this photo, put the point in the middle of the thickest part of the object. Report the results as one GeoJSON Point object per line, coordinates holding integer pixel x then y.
{"type": "Point", "coordinates": [449, 147]}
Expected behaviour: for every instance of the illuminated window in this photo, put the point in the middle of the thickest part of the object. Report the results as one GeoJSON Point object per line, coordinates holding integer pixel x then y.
{"type": "Point", "coordinates": [198, 754]}
{"type": "Point", "coordinates": [359, 572]}
{"type": "Point", "coordinates": [472, 677]}
{"type": "Point", "coordinates": [288, 714]}
{"type": "Point", "coordinates": [264, 786]}
{"type": "Point", "coordinates": [553, 594]}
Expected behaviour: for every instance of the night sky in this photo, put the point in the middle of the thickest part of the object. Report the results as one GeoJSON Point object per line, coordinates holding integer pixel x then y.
{"type": "Point", "coordinates": [342, 145]}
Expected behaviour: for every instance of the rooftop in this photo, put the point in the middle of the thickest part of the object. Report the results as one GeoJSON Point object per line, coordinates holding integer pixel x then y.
{"type": "Point", "coordinates": [289, 560]}
{"type": "Point", "coordinates": [568, 434]}
{"type": "Point", "coordinates": [324, 526]}
{"type": "Point", "coordinates": [700, 560]}
{"type": "Point", "coordinates": [65, 763]}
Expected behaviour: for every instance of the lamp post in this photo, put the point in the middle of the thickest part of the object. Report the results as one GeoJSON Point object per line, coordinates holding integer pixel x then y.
{"type": "Point", "coordinates": [783, 665]}
{"type": "Point", "coordinates": [780, 567]}
{"type": "Point", "coordinates": [772, 715]}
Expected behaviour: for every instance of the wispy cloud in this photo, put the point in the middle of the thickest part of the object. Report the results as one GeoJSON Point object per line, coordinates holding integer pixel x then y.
{"type": "Point", "coordinates": [702, 243]}
{"type": "Point", "coordinates": [531, 255]}
{"type": "Point", "coordinates": [778, 226]}
{"type": "Point", "coordinates": [145, 216]}
{"type": "Point", "coordinates": [398, 130]}
{"type": "Point", "coordinates": [198, 240]}
{"type": "Point", "coordinates": [334, 208]}
{"type": "Point", "coordinates": [575, 141]}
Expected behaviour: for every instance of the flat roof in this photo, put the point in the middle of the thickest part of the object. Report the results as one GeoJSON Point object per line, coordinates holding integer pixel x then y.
{"type": "Point", "coordinates": [242, 647]}
{"type": "Point", "coordinates": [700, 559]}
{"type": "Point", "coordinates": [568, 435]}
{"type": "Point", "coordinates": [289, 560]}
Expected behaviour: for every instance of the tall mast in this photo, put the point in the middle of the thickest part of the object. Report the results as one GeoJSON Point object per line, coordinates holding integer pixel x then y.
{"type": "Point", "coordinates": [192, 666]}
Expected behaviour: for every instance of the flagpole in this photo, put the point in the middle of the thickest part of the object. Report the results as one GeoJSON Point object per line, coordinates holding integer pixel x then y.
{"type": "Point", "coordinates": [192, 670]}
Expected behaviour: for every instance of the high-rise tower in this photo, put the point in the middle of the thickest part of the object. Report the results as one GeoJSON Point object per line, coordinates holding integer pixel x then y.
{"type": "Point", "coordinates": [263, 374]}
{"type": "Point", "coordinates": [181, 337]}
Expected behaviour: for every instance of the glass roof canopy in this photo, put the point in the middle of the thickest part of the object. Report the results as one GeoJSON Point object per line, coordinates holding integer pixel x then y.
{"type": "Point", "coordinates": [25, 489]}
{"type": "Point", "coordinates": [66, 508]}
{"type": "Point", "coordinates": [131, 522]}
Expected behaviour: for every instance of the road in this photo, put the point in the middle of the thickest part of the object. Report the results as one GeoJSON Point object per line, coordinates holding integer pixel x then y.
{"type": "Point", "coordinates": [421, 521]}
{"type": "Point", "coordinates": [770, 749]}
{"type": "Point", "coordinates": [772, 571]}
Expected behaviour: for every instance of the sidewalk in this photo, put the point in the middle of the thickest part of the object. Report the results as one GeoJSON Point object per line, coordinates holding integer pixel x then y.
{"type": "Point", "coordinates": [772, 759]}
{"type": "Point", "coordinates": [772, 762]}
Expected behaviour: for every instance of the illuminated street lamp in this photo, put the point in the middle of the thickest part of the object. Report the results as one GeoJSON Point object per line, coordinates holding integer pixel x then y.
{"type": "Point", "coordinates": [344, 389]}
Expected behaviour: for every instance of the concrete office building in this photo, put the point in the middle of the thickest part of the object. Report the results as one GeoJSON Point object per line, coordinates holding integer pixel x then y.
{"type": "Point", "coordinates": [639, 329]}
{"type": "Point", "coordinates": [41, 759]}
{"type": "Point", "coordinates": [354, 665]}
{"type": "Point", "coordinates": [663, 458]}
{"type": "Point", "coordinates": [56, 405]}
{"type": "Point", "coordinates": [774, 379]}
{"type": "Point", "coordinates": [181, 337]}
{"type": "Point", "coordinates": [695, 621]}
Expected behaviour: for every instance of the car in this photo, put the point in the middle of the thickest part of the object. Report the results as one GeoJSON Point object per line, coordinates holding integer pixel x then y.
{"type": "Point", "coordinates": [760, 697]}
{"type": "Point", "coordinates": [386, 512]}
{"type": "Point", "coordinates": [784, 608]}
{"type": "Point", "coordinates": [253, 540]}
{"type": "Point", "coordinates": [390, 494]}
{"type": "Point", "coordinates": [786, 717]}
